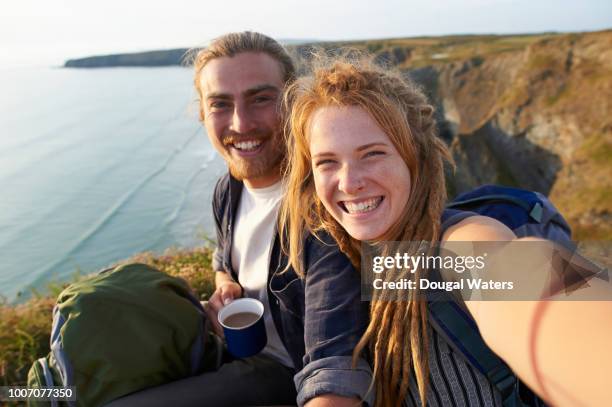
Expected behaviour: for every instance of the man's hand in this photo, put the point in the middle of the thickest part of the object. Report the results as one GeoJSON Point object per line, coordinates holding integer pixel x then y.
{"type": "Point", "coordinates": [227, 290]}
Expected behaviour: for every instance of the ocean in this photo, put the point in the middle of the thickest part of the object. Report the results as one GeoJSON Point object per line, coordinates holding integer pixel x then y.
{"type": "Point", "coordinates": [95, 166]}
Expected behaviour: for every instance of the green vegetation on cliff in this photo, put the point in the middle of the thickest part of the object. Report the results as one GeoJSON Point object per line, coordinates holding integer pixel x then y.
{"type": "Point", "coordinates": [418, 52]}
{"type": "Point", "coordinates": [405, 52]}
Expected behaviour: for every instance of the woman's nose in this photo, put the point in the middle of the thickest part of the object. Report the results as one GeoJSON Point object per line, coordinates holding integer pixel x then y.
{"type": "Point", "coordinates": [350, 180]}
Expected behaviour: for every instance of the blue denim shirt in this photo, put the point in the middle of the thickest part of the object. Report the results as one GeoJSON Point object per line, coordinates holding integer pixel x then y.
{"type": "Point", "coordinates": [320, 318]}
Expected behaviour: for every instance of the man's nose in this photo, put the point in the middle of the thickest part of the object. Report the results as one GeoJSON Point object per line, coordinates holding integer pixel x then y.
{"type": "Point", "coordinates": [242, 122]}
{"type": "Point", "coordinates": [350, 179]}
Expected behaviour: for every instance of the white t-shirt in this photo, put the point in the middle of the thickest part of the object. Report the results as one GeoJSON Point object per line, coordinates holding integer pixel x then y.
{"type": "Point", "coordinates": [254, 232]}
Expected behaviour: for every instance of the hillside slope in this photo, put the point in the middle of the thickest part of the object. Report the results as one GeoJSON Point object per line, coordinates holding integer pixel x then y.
{"type": "Point", "coordinates": [539, 118]}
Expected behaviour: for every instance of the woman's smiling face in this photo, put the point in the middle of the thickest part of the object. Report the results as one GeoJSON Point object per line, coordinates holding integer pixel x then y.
{"type": "Point", "coordinates": [359, 175]}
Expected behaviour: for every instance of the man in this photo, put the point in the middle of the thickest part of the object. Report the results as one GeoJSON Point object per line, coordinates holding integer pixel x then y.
{"type": "Point", "coordinates": [312, 324]}
{"type": "Point", "coordinates": [240, 79]}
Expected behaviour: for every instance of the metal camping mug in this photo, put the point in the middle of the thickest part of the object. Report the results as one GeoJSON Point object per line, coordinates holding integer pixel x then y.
{"type": "Point", "coordinates": [243, 327]}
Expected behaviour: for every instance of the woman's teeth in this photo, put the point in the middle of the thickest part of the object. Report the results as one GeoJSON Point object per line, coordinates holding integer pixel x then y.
{"type": "Point", "coordinates": [363, 206]}
{"type": "Point", "coordinates": [247, 145]}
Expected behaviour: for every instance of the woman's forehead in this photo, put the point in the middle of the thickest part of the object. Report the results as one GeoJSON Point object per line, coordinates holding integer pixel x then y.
{"type": "Point", "coordinates": [343, 126]}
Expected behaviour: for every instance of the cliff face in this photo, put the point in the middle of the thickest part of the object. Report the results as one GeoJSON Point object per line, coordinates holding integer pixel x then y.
{"type": "Point", "coordinates": [527, 110]}
{"type": "Point", "coordinates": [539, 118]}
{"type": "Point", "coordinates": [143, 59]}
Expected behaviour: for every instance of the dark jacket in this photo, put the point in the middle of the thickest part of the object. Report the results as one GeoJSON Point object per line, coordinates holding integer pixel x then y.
{"type": "Point", "coordinates": [319, 318]}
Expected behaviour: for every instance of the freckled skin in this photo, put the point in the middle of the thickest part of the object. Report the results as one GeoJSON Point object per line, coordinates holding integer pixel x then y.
{"type": "Point", "coordinates": [354, 160]}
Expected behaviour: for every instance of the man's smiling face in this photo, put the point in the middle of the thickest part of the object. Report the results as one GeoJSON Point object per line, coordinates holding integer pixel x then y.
{"type": "Point", "coordinates": [240, 102]}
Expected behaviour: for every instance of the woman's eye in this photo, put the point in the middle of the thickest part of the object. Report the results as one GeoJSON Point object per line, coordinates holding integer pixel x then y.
{"type": "Point", "coordinates": [374, 153]}
{"type": "Point", "coordinates": [324, 162]}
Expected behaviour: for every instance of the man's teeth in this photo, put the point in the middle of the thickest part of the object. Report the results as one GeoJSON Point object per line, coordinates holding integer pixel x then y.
{"type": "Point", "coordinates": [247, 145]}
{"type": "Point", "coordinates": [364, 206]}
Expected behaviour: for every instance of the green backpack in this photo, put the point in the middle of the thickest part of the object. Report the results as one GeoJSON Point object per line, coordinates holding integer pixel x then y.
{"type": "Point", "coordinates": [124, 330]}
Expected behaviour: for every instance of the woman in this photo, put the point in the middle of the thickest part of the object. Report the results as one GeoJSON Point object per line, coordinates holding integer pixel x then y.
{"type": "Point", "coordinates": [366, 166]}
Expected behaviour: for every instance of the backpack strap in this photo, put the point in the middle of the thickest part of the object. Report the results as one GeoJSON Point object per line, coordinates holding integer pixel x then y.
{"type": "Point", "coordinates": [453, 323]}
{"type": "Point", "coordinates": [534, 210]}
{"type": "Point", "coordinates": [48, 376]}
{"type": "Point", "coordinates": [46, 372]}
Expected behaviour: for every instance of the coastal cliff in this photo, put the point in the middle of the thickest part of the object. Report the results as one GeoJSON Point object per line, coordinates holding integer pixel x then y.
{"type": "Point", "coordinates": [143, 59]}
{"type": "Point", "coordinates": [522, 110]}
{"type": "Point", "coordinates": [539, 118]}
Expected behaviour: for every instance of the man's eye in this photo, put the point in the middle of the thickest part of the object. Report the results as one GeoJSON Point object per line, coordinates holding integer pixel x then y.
{"type": "Point", "coordinates": [262, 99]}
{"type": "Point", "coordinates": [217, 105]}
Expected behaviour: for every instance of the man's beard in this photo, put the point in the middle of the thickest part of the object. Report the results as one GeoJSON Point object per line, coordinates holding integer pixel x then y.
{"type": "Point", "coordinates": [264, 163]}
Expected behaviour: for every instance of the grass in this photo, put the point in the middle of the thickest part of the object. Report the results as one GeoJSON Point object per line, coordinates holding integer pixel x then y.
{"type": "Point", "coordinates": [25, 328]}
{"type": "Point", "coordinates": [591, 233]}
{"type": "Point", "coordinates": [24, 336]}
{"type": "Point", "coordinates": [561, 93]}
{"type": "Point", "coordinates": [598, 149]}
{"type": "Point", "coordinates": [593, 193]}
{"type": "Point", "coordinates": [541, 61]}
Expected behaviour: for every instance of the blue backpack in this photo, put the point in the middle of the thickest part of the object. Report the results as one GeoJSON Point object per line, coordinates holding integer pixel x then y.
{"type": "Point", "coordinates": [527, 213]}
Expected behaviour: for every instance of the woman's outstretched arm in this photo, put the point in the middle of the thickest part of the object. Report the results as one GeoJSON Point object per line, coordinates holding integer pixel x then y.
{"type": "Point", "coordinates": [560, 348]}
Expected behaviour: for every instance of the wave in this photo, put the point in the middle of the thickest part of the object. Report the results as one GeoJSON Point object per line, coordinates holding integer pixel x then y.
{"type": "Point", "coordinates": [75, 112]}
{"type": "Point", "coordinates": [52, 153]}
{"type": "Point", "coordinates": [170, 219]}
{"type": "Point", "coordinates": [110, 213]}
{"type": "Point", "coordinates": [184, 193]}
{"type": "Point", "coordinates": [51, 211]}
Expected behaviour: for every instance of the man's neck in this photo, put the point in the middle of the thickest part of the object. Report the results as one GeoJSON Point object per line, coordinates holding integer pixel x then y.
{"type": "Point", "coordinates": [263, 181]}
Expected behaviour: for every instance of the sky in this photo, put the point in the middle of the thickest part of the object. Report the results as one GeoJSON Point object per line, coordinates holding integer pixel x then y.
{"type": "Point", "coordinates": [47, 32]}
